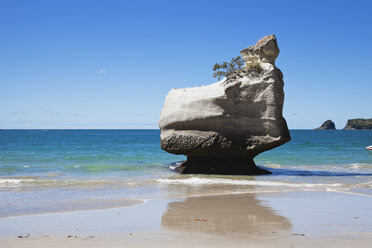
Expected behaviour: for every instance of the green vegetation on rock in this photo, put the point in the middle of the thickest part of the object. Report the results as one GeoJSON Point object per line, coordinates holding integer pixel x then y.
{"type": "Point", "coordinates": [226, 68]}
{"type": "Point", "coordinates": [359, 124]}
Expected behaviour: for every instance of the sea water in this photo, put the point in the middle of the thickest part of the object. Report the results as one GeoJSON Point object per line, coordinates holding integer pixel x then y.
{"type": "Point", "coordinates": [66, 170]}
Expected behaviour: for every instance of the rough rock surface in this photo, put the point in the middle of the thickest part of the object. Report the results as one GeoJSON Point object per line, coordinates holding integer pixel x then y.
{"type": "Point", "coordinates": [356, 124]}
{"type": "Point", "coordinates": [223, 126]}
{"type": "Point", "coordinates": [327, 125]}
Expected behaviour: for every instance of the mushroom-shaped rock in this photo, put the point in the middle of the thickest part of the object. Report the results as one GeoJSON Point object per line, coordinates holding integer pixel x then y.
{"type": "Point", "coordinates": [223, 126]}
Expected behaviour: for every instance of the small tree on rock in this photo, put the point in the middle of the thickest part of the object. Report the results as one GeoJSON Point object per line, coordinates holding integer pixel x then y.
{"type": "Point", "coordinates": [224, 69]}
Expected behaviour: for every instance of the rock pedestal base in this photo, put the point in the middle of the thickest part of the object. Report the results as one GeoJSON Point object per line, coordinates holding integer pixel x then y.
{"type": "Point", "coordinates": [220, 166]}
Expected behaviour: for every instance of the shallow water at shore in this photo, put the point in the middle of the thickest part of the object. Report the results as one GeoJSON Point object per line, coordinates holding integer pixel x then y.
{"type": "Point", "coordinates": [59, 170]}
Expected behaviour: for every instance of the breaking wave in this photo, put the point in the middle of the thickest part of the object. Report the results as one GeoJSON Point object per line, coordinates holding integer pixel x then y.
{"type": "Point", "coordinates": [195, 181]}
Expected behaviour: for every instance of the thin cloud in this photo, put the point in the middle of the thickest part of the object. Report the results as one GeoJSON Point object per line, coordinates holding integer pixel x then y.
{"type": "Point", "coordinates": [19, 113]}
{"type": "Point", "coordinates": [78, 115]}
{"type": "Point", "coordinates": [49, 111]}
{"type": "Point", "coordinates": [101, 71]}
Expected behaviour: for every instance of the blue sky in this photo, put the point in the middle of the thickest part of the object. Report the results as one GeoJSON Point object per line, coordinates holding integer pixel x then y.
{"type": "Point", "coordinates": [110, 64]}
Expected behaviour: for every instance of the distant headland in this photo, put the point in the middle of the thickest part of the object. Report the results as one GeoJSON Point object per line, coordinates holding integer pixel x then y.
{"type": "Point", "coordinates": [357, 124]}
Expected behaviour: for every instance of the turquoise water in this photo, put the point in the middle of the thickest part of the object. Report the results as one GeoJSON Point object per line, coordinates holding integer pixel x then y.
{"type": "Point", "coordinates": [58, 170]}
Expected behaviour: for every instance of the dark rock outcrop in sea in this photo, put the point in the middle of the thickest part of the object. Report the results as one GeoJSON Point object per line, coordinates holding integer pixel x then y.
{"type": "Point", "coordinates": [354, 124]}
{"type": "Point", "coordinates": [221, 127]}
{"type": "Point", "coordinates": [327, 125]}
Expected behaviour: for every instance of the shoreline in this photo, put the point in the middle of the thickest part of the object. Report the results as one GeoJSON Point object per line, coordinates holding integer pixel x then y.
{"type": "Point", "coordinates": [129, 202]}
{"type": "Point", "coordinates": [263, 219]}
{"type": "Point", "coordinates": [120, 203]}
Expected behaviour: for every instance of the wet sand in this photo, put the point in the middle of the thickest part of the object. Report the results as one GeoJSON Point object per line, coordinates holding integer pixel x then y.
{"type": "Point", "coordinates": [290, 219]}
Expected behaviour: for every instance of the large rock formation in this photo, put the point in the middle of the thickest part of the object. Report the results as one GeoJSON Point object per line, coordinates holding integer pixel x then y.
{"type": "Point", "coordinates": [354, 124]}
{"type": "Point", "coordinates": [223, 126]}
{"type": "Point", "coordinates": [327, 125]}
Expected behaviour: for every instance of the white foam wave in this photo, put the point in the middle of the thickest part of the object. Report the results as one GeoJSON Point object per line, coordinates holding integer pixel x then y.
{"type": "Point", "coordinates": [325, 167]}
{"type": "Point", "coordinates": [365, 185]}
{"type": "Point", "coordinates": [13, 181]}
{"type": "Point", "coordinates": [275, 166]}
{"type": "Point", "coordinates": [357, 166]}
{"type": "Point", "coordinates": [38, 182]}
{"type": "Point", "coordinates": [208, 181]}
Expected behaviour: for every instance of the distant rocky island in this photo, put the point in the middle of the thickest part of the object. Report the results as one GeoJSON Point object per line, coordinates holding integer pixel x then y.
{"type": "Point", "coordinates": [221, 127]}
{"type": "Point", "coordinates": [327, 125]}
{"type": "Point", "coordinates": [357, 124]}
{"type": "Point", "coordinates": [352, 124]}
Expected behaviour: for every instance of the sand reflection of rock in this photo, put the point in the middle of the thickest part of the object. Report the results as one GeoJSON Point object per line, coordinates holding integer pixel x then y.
{"type": "Point", "coordinates": [239, 214]}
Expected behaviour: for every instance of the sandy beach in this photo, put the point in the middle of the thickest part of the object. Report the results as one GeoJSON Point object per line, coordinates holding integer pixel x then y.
{"type": "Point", "coordinates": [239, 220]}
{"type": "Point", "coordinates": [185, 124]}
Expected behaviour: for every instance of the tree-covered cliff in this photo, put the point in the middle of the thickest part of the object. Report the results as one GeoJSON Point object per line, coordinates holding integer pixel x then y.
{"type": "Point", "coordinates": [359, 124]}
